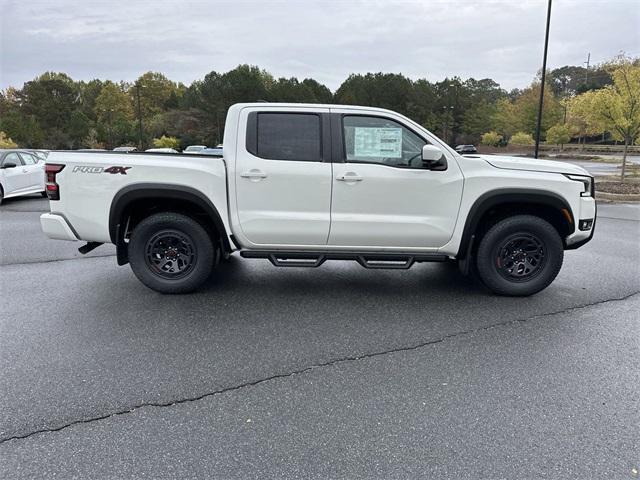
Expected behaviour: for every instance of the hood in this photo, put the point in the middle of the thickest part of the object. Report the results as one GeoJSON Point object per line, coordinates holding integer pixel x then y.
{"type": "Point", "coordinates": [532, 164]}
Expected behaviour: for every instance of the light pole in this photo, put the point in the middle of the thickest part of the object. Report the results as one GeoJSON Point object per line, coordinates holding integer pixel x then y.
{"type": "Point", "coordinates": [454, 110]}
{"type": "Point", "coordinates": [447, 109]}
{"type": "Point", "coordinates": [544, 72]}
{"type": "Point", "coordinates": [110, 123]}
{"type": "Point", "coordinates": [140, 145]}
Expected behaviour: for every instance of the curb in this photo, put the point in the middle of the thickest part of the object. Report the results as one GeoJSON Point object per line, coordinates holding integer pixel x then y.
{"type": "Point", "coordinates": [617, 197]}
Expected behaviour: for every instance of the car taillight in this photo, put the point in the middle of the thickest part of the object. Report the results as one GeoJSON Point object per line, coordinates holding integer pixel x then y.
{"type": "Point", "coordinates": [50, 172]}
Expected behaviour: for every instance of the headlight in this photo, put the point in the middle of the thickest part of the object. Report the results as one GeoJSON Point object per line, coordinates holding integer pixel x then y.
{"type": "Point", "coordinates": [586, 181]}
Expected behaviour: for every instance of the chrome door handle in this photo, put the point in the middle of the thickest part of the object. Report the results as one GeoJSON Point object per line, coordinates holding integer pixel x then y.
{"type": "Point", "coordinates": [254, 173]}
{"type": "Point", "coordinates": [25, 171]}
{"type": "Point", "coordinates": [349, 178]}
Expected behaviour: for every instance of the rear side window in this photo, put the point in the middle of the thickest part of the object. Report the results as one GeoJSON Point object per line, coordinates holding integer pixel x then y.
{"type": "Point", "coordinates": [287, 136]}
{"type": "Point", "coordinates": [28, 159]}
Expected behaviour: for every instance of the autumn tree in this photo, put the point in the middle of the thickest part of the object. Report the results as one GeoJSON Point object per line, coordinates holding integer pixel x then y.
{"type": "Point", "coordinates": [6, 142]}
{"type": "Point", "coordinates": [521, 114]}
{"type": "Point", "coordinates": [580, 120]}
{"type": "Point", "coordinates": [617, 106]}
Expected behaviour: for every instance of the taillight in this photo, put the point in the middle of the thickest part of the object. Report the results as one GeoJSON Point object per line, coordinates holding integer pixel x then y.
{"type": "Point", "coordinates": [50, 172]}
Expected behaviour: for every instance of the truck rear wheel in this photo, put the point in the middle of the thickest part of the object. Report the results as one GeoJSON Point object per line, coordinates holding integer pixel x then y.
{"type": "Point", "coordinates": [519, 256]}
{"type": "Point", "coordinates": [171, 253]}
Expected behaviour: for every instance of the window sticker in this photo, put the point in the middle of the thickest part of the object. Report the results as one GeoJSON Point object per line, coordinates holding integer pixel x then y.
{"type": "Point", "coordinates": [378, 142]}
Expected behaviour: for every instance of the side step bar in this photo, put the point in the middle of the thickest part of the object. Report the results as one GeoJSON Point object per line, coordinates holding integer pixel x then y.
{"type": "Point", "coordinates": [305, 258]}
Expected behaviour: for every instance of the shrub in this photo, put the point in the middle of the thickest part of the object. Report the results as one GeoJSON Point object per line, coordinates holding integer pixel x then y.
{"type": "Point", "coordinates": [558, 135]}
{"type": "Point", "coordinates": [521, 138]}
{"type": "Point", "coordinates": [6, 142]}
{"type": "Point", "coordinates": [491, 139]}
{"type": "Point", "coordinates": [166, 142]}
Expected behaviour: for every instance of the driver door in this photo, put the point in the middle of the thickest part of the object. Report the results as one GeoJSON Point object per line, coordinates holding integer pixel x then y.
{"type": "Point", "coordinates": [383, 195]}
{"type": "Point", "coordinates": [15, 180]}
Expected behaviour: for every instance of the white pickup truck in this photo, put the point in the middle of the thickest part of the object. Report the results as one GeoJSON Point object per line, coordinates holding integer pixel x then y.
{"type": "Point", "coordinates": [301, 184]}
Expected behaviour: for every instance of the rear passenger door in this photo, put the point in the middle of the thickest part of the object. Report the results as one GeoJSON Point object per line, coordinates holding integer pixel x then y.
{"type": "Point", "coordinates": [283, 176]}
{"type": "Point", "coordinates": [35, 171]}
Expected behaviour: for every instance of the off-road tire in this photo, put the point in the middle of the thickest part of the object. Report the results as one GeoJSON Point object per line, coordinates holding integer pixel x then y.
{"type": "Point", "coordinates": [166, 241]}
{"type": "Point", "coordinates": [498, 250]}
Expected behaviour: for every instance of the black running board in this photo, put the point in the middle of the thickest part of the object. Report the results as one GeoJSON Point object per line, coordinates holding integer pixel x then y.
{"type": "Point", "coordinates": [306, 258]}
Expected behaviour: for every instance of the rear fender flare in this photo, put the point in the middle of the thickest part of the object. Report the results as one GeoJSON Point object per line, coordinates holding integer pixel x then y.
{"type": "Point", "coordinates": [138, 191]}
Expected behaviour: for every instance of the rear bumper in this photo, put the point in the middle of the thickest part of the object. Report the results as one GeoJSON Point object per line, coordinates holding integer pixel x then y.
{"type": "Point", "coordinates": [56, 226]}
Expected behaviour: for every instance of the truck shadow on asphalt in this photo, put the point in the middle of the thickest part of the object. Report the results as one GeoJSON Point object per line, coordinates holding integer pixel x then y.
{"type": "Point", "coordinates": [343, 278]}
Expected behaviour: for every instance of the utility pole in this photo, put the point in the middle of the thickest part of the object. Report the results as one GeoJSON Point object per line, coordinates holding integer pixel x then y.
{"type": "Point", "coordinates": [586, 72]}
{"type": "Point", "coordinates": [544, 73]}
{"type": "Point", "coordinates": [140, 146]}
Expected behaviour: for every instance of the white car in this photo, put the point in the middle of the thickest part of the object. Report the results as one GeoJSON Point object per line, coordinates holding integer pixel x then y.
{"type": "Point", "coordinates": [194, 149]}
{"type": "Point", "coordinates": [161, 150]}
{"type": "Point", "coordinates": [21, 173]}
{"type": "Point", "coordinates": [302, 184]}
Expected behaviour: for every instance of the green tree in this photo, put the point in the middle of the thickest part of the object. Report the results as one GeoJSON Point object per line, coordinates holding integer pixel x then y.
{"type": "Point", "coordinates": [46, 104]}
{"type": "Point", "coordinates": [505, 118]}
{"type": "Point", "coordinates": [321, 93]}
{"type": "Point", "coordinates": [190, 125]}
{"type": "Point", "coordinates": [155, 92]}
{"type": "Point", "coordinates": [384, 90]}
{"type": "Point", "coordinates": [571, 80]}
{"type": "Point", "coordinates": [558, 135]}
{"type": "Point", "coordinates": [114, 115]}
{"type": "Point", "coordinates": [478, 118]}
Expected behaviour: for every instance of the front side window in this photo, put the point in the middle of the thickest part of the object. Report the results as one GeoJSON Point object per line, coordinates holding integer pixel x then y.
{"type": "Point", "coordinates": [289, 136]}
{"type": "Point", "coordinates": [381, 140]}
{"type": "Point", "coordinates": [11, 158]}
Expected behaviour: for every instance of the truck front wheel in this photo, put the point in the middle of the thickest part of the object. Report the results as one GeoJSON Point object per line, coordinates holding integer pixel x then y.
{"type": "Point", "coordinates": [519, 256]}
{"type": "Point", "coordinates": [171, 253]}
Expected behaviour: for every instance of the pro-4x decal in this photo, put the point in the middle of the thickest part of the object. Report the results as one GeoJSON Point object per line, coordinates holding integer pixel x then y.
{"type": "Point", "coordinates": [113, 170]}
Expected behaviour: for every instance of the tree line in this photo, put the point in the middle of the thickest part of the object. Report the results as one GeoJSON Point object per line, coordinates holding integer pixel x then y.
{"type": "Point", "coordinates": [53, 111]}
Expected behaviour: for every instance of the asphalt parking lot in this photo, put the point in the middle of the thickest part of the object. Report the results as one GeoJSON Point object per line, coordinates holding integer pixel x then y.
{"type": "Point", "coordinates": [336, 372]}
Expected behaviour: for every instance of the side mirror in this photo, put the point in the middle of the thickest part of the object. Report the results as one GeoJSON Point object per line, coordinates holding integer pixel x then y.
{"type": "Point", "coordinates": [433, 158]}
{"type": "Point", "coordinates": [9, 165]}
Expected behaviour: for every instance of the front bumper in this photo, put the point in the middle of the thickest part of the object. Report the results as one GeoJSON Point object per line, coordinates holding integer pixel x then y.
{"type": "Point", "coordinates": [588, 211]}
{"type": "Point", "coordinates": [56, 226]}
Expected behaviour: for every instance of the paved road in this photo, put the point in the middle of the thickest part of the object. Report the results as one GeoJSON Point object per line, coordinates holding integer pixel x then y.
{"type": "Point", "coordinates": [597, 168]}
{"type": "Point", "coordinates": [338, 372]}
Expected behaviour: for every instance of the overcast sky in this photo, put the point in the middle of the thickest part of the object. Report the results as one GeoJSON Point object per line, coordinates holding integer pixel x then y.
{"type": "Point", "coordinates": [325, 40]}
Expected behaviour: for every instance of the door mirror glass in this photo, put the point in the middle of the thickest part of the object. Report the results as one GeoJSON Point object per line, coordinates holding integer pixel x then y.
{"type": "Point", "coordinates": [433, 158]}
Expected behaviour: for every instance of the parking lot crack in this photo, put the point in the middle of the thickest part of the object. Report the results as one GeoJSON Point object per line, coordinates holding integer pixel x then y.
{"type": "Point", "coordinates": [36, 262]}
{"type": "Point", "coordinates": [329, 363]}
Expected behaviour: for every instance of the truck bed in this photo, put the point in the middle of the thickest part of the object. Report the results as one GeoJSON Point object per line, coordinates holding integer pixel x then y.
{"type": "Point", "coordinates": [90, 181]}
